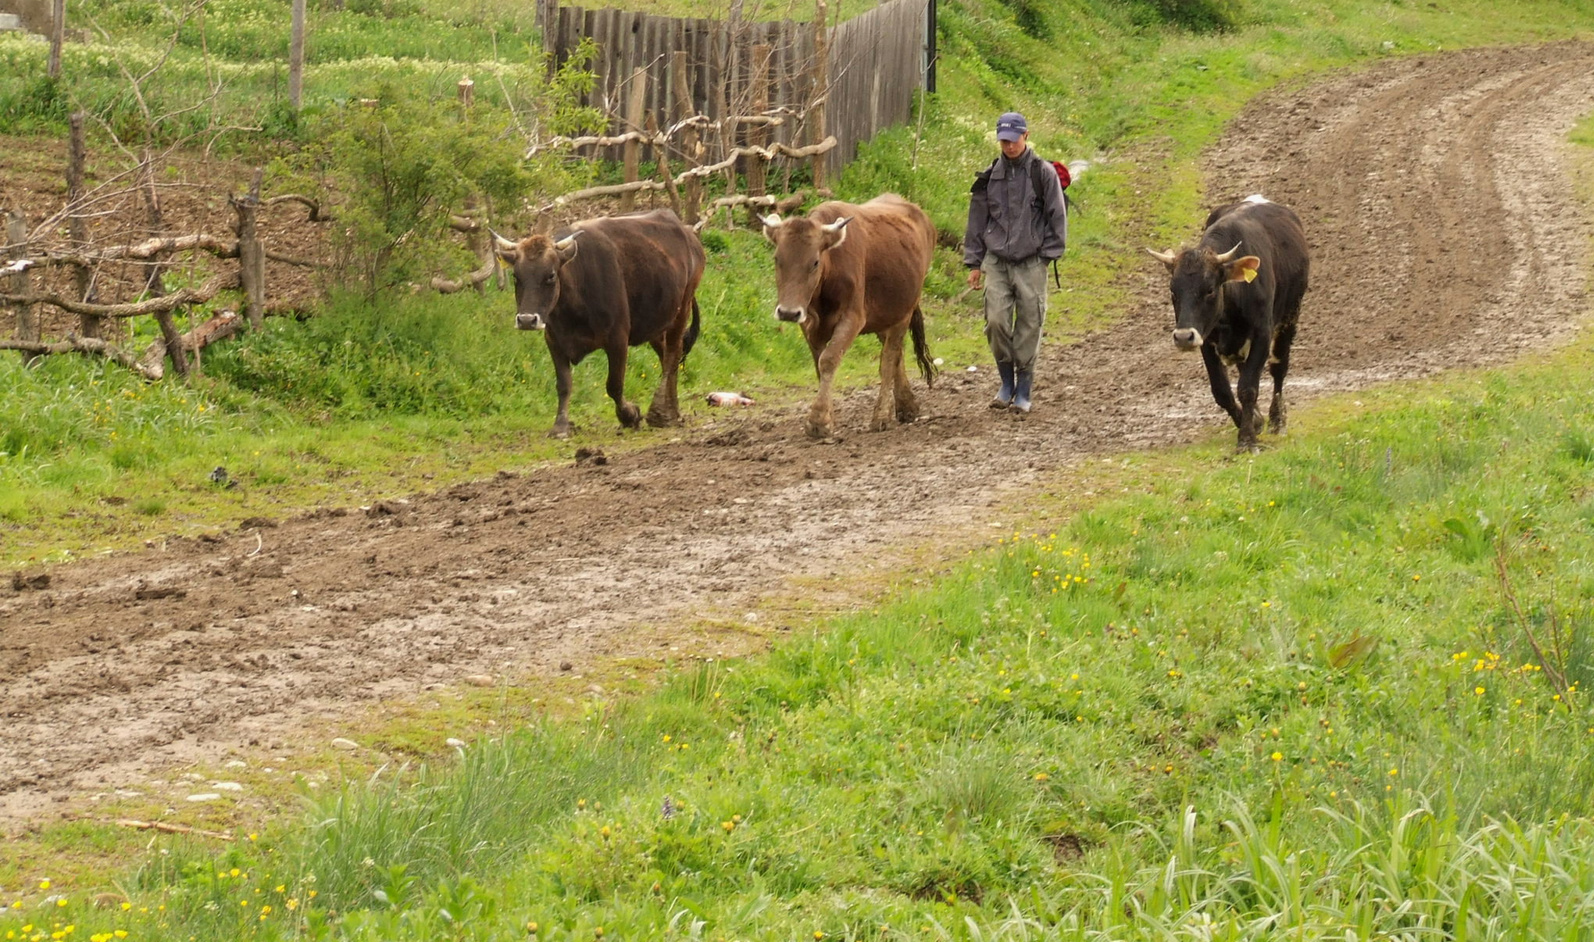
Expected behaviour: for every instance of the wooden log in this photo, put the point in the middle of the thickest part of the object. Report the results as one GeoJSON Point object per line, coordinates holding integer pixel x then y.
{"type": "Point", "coordinates": [223, 325]}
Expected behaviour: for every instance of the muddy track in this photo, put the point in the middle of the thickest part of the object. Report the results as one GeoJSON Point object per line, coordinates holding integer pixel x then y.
{"type": "Point", "coordinates": [1437, 200]}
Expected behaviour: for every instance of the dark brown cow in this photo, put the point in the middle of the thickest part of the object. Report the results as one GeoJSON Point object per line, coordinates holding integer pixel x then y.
{"type": "Point", "coordinates": [844, 270]}
{"type": "Point", "coordinates": [610, 284]}
{"type": "Point", "coordinates": [1237, 298]}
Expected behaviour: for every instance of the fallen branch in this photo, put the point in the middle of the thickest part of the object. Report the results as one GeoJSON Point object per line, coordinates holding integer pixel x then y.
{"type": "Point", "coordinates": [446, 286]}
{"type": "Point", "coordinates": [177, 299]}
{"type": "Point", "coordinates": [291, 260]}
{"type": "Point", "coordinates": [763, 153]}
{"type": "Point", "coordinates": [316, 213]}
{"type": "Point", "coordinates": [172, 828]}
{"type": "Point", "coordinates": [88, 346]}
{"type": "Point", "coordinates": [149, 248]}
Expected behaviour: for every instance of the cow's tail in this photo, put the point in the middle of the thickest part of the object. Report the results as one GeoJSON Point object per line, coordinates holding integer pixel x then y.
{"type": "Point", "coordinates": [921, 349]}
{"type": "Point", "coordinates": [691, 331]}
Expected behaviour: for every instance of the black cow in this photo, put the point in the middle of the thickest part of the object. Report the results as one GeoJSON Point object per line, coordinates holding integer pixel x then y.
{"type": "Point", "coordinates": [610, 284]}
{"type": "Point", "coordinates": [1242, 309]}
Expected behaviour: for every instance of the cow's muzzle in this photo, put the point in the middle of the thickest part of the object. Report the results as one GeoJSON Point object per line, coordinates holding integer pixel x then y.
{"type": "Point", "coordinates": [1187, 338]}
{"type": "Point", "coordinates": [530, 322]}
{"type": "Point", "coordinates": [791, 315]}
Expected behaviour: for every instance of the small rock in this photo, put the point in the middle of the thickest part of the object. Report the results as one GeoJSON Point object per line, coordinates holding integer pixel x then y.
{"type": "Point", "coordinates": [236, 764]}
{"type": "Point", "coordinates": [227, 786]}
{"type": "Point", "coordinates": [205, 796]}
{"type": "Point", "coordinates": [341, 743]}
{"type": "Point", "coordinates": [456, 743]}
{"type": "Point", "coordinates": [479, 680]}
{"type": "Point", "coordinates": [566, 665]}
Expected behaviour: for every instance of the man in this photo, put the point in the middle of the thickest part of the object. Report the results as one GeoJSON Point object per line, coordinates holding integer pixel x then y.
{"type": "Point", "coordinates": [1018, 223]}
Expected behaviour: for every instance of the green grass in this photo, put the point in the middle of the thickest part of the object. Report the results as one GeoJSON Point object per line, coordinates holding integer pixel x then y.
{"type": "Point", "coordinates": [1262, 694]}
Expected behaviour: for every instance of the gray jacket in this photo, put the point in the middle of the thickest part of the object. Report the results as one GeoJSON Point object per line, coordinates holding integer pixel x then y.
{"type": "Point", "coordinates": [1008, 219]}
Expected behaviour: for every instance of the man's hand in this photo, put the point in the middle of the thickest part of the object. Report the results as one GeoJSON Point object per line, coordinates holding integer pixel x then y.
{"type": "Point", "coordinates": [974, 277]}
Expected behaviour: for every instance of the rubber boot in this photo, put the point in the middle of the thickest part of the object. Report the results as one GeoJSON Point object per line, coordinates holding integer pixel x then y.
{"type": "Point", "coordinates": [1021, 390]}
{"type": "Point", "coordinates": [1004, 396]}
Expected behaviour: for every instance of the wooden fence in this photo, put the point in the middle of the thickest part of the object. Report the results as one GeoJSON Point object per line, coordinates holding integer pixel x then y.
{"type": "Point", "coordinates": [848, 81]}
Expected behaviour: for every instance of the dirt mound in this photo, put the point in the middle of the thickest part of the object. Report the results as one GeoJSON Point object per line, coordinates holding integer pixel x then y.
{"type": "Point", "coordinates": [1445, 233]}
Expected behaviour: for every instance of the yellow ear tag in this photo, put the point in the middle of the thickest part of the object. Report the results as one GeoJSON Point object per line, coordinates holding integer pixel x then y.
{"type": "Point", "coordinates": [1250, 274]}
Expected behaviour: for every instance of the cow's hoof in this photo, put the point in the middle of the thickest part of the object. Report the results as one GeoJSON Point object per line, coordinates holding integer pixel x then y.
{"type": "Point", "coordinates": [663, 420]}
{"type": "Point", "coordinates": [559, 431]}
{"type": "Point", "coordinates": [819, 430]}
{"type": "Point", "coordinates": [906, 416]}
{"type": "Point", "coordinates": [630, 416]}
{"type": "Point", "coordinates": [880, 424]}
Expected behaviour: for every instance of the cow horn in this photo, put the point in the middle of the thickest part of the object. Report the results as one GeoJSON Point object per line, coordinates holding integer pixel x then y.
{"type": "Point", "coordinates": [772, 221]}
{"type": "Point", "coordinates": [503, 243]}
{"type": "Point", "coordinates": [838, 225]}
{"type": "Point", "coordinates": [565, 244]}
{"type": "Point", "coordinates": [1229, 255]}
{"type": "Point", "coordinates": [1166, 258]}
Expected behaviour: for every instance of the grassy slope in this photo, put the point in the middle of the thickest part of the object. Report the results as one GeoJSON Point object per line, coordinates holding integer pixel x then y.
{"type": "Point", "coordinates": [1379, 526]}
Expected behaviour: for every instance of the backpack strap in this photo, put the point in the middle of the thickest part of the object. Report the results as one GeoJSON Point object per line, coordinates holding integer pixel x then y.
{"type": "Point", "coordinates": [1036, 167]}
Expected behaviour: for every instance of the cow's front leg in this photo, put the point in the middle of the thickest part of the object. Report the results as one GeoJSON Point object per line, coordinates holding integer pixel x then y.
{"type": "Point", "coordinates": [890, 369]}
{"type": "Point", "coordinates": [1250, 381]}
{"type": "Point", "coordinates": [561, 382]}
{"type": "Point", "coordinates": [1218, 377]}
{"type": "Point", "coordinates": [628, 414]}
{"type": "Point", "coordinates": [821, 421]}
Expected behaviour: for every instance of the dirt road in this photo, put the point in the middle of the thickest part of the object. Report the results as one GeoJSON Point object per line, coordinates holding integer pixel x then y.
{"type": "Point", "coordinates": [1437, 200]}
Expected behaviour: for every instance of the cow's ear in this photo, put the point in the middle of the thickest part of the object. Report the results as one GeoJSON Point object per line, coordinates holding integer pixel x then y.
{"type": "Point", "coordinates": [1243, 269]}
{"type": "Point", "coordinates": [836, 232]}
{"type": "Point", "coordinates": [507, 249]}
{"type": "Point", "coordinates": [771, 225]}
{"type": "Point", "coordinates": [1166, 258]}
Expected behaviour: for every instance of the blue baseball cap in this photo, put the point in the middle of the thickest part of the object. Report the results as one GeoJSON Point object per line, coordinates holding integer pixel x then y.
{"type": "Point", "coordinates": [1011, 126]}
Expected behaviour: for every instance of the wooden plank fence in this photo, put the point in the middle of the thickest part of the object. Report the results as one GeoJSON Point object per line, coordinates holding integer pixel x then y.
{"type": "Point", "coordinates": [873, 65]}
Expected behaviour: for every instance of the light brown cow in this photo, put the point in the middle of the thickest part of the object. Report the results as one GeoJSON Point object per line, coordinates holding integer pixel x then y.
{"type": "Point", "coordinates": [844, 270]}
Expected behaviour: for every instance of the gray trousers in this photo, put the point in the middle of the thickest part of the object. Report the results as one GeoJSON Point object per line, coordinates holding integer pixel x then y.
{"type": "Point", "coordinates": [1015, 309]}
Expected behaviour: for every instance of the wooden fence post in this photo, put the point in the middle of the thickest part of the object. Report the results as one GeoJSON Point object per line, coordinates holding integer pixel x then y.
{"type": "Point", "coordinates": [27, 317]}
{"type": "Point", "coordinates": [296, 55]}
{"type": "Point", "coordinates": [820, 84]}
{"type": "Point", "coordinates": [251, 254]}
{"type": "Point", "coordinates": [689, 146]}
{"type": "Point", "coordinates": [758, 167]}
{"type": "Point", "coordinates": [635, 102]}
{"type": "Point", "coordinates": [89, 325]}
{"type": "Point", "coordinates": [57, 38]}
